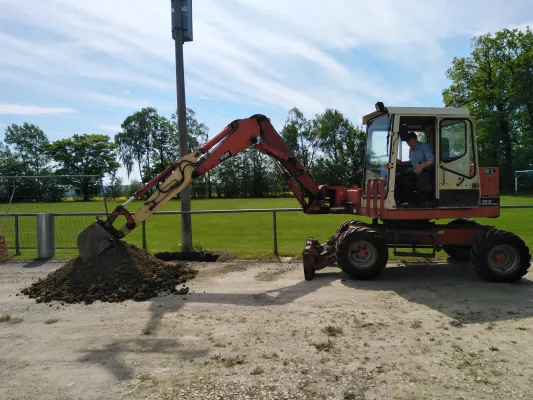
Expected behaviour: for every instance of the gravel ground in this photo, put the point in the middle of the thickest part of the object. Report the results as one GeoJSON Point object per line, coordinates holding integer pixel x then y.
{"type": "Point", "coordinates": [251, 330]}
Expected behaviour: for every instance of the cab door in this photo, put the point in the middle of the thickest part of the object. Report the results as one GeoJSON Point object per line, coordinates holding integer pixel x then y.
{"type": "Point", "coordinates": [458, 180]}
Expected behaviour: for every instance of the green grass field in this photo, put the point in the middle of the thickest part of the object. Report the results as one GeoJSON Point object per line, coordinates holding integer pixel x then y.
{"type": "Point", "coordinates": [247, 235]}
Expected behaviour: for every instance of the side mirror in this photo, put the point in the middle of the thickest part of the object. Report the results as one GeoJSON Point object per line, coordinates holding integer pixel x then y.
{"type": "Point", "coordinates": [404, 132]}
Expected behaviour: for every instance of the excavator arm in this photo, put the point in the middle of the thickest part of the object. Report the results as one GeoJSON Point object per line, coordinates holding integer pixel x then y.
{"type": "Point", "coordinates": [256, 132]}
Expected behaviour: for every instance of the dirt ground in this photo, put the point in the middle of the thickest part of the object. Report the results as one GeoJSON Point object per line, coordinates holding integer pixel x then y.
{"type": "Point", "coordinates": [251, 330]}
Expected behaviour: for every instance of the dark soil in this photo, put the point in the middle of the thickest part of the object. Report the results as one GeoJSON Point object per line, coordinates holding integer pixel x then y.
{"type": "Point", "coordinates": [121, 272]}
{"type": "Point", "coordinates": [203, 256]}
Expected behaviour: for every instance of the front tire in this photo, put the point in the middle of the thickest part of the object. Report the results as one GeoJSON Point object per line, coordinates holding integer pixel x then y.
{"type": "Point", "coordinates": [500, 256]}
{"type": "Point", "coordinates": [362, 253]}
{"type": "Point", "coordinates": [348, 224]}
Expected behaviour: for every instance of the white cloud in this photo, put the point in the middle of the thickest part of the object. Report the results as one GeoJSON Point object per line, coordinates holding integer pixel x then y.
{"type": "Point", "coordinates": [306, 53]}
{"type": "Point", "coordinates": [19, 109]}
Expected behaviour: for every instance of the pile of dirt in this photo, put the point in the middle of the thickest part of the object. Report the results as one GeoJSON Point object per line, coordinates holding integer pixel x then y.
{"type": "Point", "coordinates": [121, 272]}
{"type": "Point", "coordinates": [202, 256]}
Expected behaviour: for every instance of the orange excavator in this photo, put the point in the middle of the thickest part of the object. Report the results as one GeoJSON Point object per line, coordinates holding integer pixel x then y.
{"type": "Point", "coordinates": [454, 187]}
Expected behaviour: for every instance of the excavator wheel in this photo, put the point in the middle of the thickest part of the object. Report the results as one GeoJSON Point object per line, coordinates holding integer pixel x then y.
{"type": "Point", "coordinates": [347, 224]}
{"type": "Point", "coordinates": [460, 253]}
{"type": "Point", "coordinates": [500, 256]}
{"type": "Point", "coordinates": [361, 252]}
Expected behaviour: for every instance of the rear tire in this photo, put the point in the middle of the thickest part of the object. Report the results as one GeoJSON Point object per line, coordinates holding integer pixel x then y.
{"type": "Point", "coordinates": [513, 257]}
{"type": "Point", "coordinates": [361, 252]}
{"type": "Point", "coordinates": [460, 253]}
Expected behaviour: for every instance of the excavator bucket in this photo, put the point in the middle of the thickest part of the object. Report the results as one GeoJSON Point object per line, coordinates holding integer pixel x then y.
{"type": "Point", "coordinates": [93, 241]}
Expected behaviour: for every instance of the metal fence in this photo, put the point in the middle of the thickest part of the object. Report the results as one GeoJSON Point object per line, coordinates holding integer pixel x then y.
{"type": "Point", "coordinates": [50, 230]}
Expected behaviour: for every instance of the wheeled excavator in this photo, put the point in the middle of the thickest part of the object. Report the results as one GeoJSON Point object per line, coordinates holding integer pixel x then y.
{"type": "Point", "coordinates": [454, 188]}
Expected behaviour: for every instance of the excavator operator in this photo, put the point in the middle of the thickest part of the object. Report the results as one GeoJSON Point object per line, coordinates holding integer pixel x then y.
{"type": "Point", "coordinates": [420, 157]}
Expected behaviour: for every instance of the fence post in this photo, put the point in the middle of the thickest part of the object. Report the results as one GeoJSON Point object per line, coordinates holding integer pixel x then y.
{"type": "Point", "coordinates": [17, 240]}
{"type": "Point", "coordinates": [104, 196]}
{"type": "Point", "coordinates": [144, 234]}
{"type": "Point", "coordinates": [275, 227]}
{"type": "Point", "coordinates": [45, 236]}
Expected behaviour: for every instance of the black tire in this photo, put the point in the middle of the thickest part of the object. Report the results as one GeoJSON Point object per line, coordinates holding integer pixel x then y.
{"type": "Point", "coordinates": [373, 262]}
{"type": "Point", "coordinates": [517, 254]}
{"type": "Point", "coordinates": [460, 253]}
{"type": "Point", "coordinates": [346, 225]}
{"type": "Point", "coordinates": [309, 272]}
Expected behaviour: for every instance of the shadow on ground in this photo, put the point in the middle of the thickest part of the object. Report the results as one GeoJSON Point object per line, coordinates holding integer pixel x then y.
{"type": "Point", "coordinates": [455, 290]}
{"type": "Point", "coordinates": [116, 355]}
{"type": "Point", "coordinates": [277, 296]}
{"type": "Point", "coordinates": [119, 354]}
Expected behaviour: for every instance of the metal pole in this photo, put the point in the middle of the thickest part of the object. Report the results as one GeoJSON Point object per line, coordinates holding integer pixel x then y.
{"type": "Point", "coordinates": [17, 240]}
{"type": "Point", "coordinates": [45, 236]}
{"type": "Point", "coordinates": [186, 224]}
{"type": "Point", "coordinates": [144, 234]}
{"type": "Point", "coordinates": [275, 227]}
{"type": "Point", "coordinates": [103, 194]}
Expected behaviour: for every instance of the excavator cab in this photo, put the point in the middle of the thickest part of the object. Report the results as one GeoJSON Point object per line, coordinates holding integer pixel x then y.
{"type": "Point", "coordinates": [453, 181]}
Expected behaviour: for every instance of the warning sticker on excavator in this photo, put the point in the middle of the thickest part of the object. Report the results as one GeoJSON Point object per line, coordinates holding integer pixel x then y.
{"type": "Point", "coordinates": [224, 156]}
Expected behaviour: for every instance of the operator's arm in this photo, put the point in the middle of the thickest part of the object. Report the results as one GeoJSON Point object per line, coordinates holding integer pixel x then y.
{"type": "Point", "coordinates": [430, 159]}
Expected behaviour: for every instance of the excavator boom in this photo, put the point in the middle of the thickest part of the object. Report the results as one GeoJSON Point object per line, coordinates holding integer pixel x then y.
{"type": "Point", "coordinates": [256, 131]}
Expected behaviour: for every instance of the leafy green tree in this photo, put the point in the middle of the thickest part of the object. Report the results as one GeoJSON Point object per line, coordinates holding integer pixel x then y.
{"type": "Point", "coordinates": [300, 136]}
{"type": "Point", "coordinates": [341, 146]}
{"type": "Point", "coordinates": [134, 186]}
{"type": "Point", "coordinates": [134, 143]}
{"type": "Point", "coordinates": [115, 190]}
{"type": "Point", "coordinates": [29, 143]}
{"type": "Point", "coordinates": [10, 166]}
{"type": "Point", "coordinates": [197, 134]}
{"type": "Point", "coordinates": [494, 83]}
{"type": "Point", "coordinates": [85, 154]}
{"type": "Point", "coordinates": [24, 153]}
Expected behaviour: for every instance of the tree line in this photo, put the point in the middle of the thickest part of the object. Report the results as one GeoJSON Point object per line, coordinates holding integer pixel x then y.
{"type": "Point", "coordinates": [329, 145]}
{"type": "Point", "coordinates": [495, 82]}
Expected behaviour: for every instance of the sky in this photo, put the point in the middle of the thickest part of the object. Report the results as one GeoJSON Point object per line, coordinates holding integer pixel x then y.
{"type": "Point", "coordinates": [83, 66]}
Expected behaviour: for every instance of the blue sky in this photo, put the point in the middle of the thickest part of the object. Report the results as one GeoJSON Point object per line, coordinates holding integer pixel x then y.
{"type": "Point", "coordinates": [84, 66]}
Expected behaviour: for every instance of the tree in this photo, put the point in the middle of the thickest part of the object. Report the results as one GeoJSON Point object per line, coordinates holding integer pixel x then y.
{"type": "Point", "coordinates": [133, 187]}
{"type": "Point", "coordinates": [494, 83]}
{"type": "Point", "coordinates": [134, 143]}
{"type": "Point", "coordinates": [10, 166]}
{"type": "Point", "coordinates": [115, 190]}
{"type": "Point", "coordinates": [341, 146]}
{"type": "Point", "coordinates": [85, 154]}
{"type": "Point", "coordinates": [300, 136]}
{"type": "Point", "coordinates": [197, 134]}
{"type": "Point", "coordinates": [27, 156]}
{"type": "Point", "coordinates": [29, 143]}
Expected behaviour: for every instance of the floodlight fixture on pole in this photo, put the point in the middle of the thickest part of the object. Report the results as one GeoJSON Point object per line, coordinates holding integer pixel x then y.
{"type": "Point", "coordinates": [181, 33]}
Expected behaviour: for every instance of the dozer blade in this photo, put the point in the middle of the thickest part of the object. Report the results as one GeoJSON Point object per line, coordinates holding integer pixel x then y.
{"type": "Point", "coordinates": [93, 241]}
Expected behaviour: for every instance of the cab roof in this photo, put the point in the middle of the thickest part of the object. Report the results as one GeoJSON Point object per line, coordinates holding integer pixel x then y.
{"type": "Point", "coordinates": [422, 111]}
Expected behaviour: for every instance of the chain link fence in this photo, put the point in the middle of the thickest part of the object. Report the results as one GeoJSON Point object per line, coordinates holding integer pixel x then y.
{"type": "Point", "coordinates": [22, 198]}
